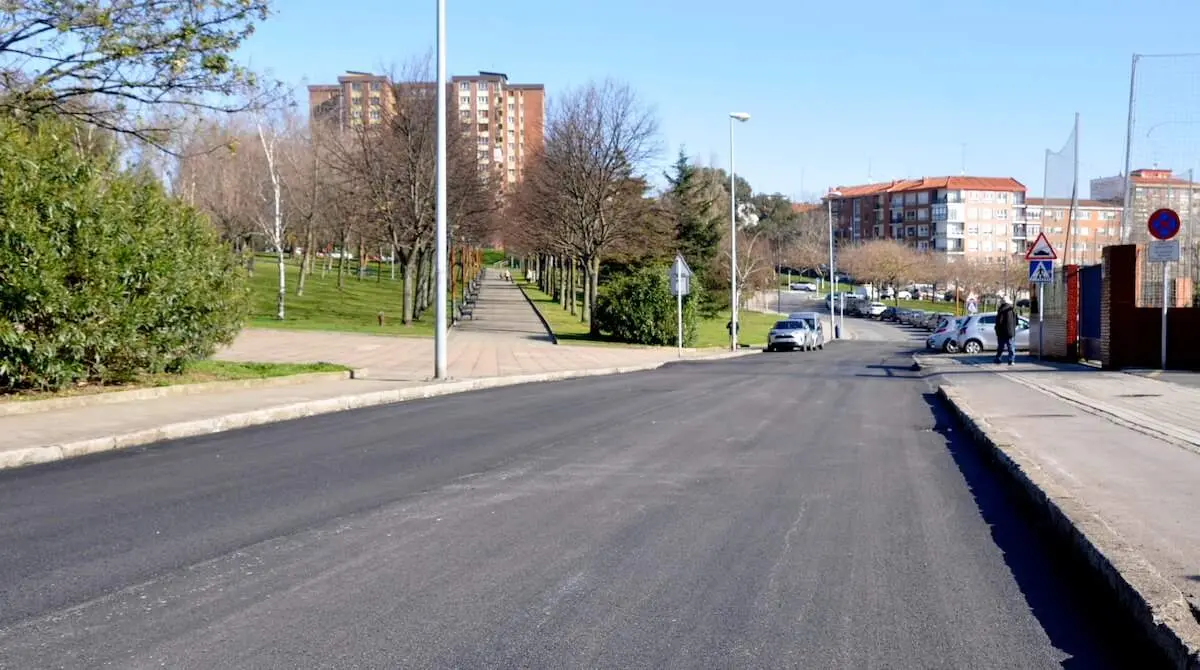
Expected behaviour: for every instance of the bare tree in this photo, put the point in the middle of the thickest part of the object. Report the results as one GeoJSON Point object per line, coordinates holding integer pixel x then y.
{"type": "Point", "coordinates": [881, 262]}
{"type": "Point", "coordinates": [577, 191]}
{"type": "Point", "coordinates": [755, 267]}
{"type": "Point", "coordinates": [108, 63]}
{"type": "Point", "coordinates": [272, 224]}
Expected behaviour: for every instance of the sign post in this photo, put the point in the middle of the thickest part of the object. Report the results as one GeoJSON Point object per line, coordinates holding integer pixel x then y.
{"type": "Point", "coordinates": [1163, 226]}
{"type": "Point", "coordinates": [679, 277]}
{"type": "Point", "coordinates": [1041, 257]}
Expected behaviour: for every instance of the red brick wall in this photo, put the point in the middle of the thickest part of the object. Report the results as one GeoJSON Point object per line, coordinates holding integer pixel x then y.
{"type": "Point", "coordinates": [1131, 336]}
{"type": "Point", "coordinates": [1061, 324]}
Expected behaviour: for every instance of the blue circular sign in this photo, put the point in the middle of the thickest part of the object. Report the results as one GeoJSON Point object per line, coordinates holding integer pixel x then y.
{"type": "Point", "coordinates": [1163, 224]}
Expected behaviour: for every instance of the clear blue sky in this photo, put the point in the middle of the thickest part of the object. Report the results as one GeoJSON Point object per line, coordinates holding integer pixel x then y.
{"type": "Point", "coordinates": [831, 93]}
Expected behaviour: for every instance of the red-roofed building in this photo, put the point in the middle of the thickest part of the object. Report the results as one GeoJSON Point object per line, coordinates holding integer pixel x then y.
{"type": "Point", "coordinates": [973, 217]}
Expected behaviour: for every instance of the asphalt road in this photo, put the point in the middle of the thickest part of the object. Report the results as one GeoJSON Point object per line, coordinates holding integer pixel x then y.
{"type": "Point", "coordinates": [807, 510]}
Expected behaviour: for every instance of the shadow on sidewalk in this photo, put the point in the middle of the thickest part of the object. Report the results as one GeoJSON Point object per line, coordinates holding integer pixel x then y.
{"type": "Point", "coordinates": [1053, 584]}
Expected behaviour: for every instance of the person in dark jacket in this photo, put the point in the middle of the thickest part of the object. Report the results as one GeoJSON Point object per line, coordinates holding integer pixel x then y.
{"type": "Point", "coordinates": [1006, 330]}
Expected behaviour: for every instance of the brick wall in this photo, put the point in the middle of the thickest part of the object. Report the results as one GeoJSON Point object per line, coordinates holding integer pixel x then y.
{"type": "Point", "coordinates": [1131, 336]}
{"type": "Point", "coordinates": [1061, 317]}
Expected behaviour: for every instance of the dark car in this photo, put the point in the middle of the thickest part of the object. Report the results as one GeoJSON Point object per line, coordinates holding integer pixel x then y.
{"type": "Point", "coordinates": [889, 314]}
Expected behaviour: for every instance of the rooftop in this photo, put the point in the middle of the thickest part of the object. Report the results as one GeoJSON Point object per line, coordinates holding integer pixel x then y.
{"type": "Point", "coordinates": [928, 183]}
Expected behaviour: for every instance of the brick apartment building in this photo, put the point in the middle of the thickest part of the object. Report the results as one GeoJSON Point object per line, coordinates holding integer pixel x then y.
{"type": "Point", "coordinates": [506, 120]}
{"type": "Point", "coordinates": [1153, 189]}
{"type": "Point", "coordinates": [1097, 225]}
{"type": "Point", "coordinates": [979, 218]}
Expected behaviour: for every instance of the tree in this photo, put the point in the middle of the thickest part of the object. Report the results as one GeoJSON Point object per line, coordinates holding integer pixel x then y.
{"type": "Point", "coordinates": [880, 262]}
{"type": "Point", "coordinates": [807, 246]}
{"type": "Point", "coordinates": [105, 276]}
{"type": "Point", "coordinates": [274, 230]}
{"type": "Point", "coordinates": [693, 205]}
{"type": "Point", "coordinates": [755, 269]}
{"type": "Point", "coordinates": [581, 190]}
{"type": "Point", "coordinates": [106, 62]}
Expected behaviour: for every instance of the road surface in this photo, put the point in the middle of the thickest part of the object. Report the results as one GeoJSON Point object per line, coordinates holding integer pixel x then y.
{"type": "Point", "coordinates": [806, 510]}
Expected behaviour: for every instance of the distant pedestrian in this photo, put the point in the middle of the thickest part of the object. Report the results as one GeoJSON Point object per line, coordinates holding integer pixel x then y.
{"type": "Point", "coordinates": [1006, 330]}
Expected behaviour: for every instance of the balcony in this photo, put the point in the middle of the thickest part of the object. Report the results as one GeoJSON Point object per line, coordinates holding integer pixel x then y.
{"type": "Point", "coordinates": [1019, 231]}
{"type": "Point", "coordinates": [949, 230]}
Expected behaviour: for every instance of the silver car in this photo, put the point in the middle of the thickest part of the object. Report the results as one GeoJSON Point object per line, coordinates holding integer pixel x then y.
{"type": "Point", "coordinates": [978, 334]}
{"type": "Point", "coordinates": [790, 335]}
{"type": "Point", "coordinates": [815, 324]}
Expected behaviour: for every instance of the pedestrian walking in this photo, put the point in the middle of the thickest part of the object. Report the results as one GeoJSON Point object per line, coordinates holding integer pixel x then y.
{"type": "Point", "coordinates": [1006, 331]}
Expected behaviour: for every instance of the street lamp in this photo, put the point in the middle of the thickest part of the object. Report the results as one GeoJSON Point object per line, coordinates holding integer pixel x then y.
{"type": "Point", "coordinates": [439, 332]}
{"type": "Point", "coordinates": [733, 290]}
{"type": "Point", "coordinates": [837, 331]}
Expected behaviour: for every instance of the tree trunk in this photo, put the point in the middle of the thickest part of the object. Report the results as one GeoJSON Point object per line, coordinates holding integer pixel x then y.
{"type": "Point", "coordinates": [362, 258]}
{"type": "Point", "coordinates": [564, 279]}
{"type": "Point", "coordinates": [342, 261]}
{"type": "Point", "coordinates": [306, 260]}
{"type": "Point", "coordinates": [573, 282]}
{"type": "Point", "coordinates": [410, 288]}
{"type": "Point", "coordinates": [585, 314]}
{"type": "Point", "coordinates": [393, 262]}
{"type": "Point", "coordinates": [594, 289]}
{"type": "Point", "coordinates": [282, 296]}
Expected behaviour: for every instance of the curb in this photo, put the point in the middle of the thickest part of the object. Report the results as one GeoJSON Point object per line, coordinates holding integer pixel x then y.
{"type": "Point", "coordinates": [545, 323]}
{"type": "Point", "coordinates": [1145, 596]}
{"type": "Point", "coordinates": [22, 407]}
{"type": "Point", "coordinates": [57, 452]}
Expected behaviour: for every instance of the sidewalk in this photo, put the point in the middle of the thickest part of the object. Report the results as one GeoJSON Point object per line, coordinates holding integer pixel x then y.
{"type": "Point", "coordinates": [1123, 447]}
{"type": "Point", "coordinates": [502, 308]}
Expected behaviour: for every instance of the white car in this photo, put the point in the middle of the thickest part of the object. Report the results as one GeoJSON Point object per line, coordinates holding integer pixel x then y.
{"type": "Point", "coordinates": [945, 338]}
{"type": "Point", "coordinates": [977, 334]}
{"type": "Point", "coordinates": [804, 288]}
{"type": "Point", "coordinates": [790, 335]}
{"type": "Point", "coordinates": [875, 309]}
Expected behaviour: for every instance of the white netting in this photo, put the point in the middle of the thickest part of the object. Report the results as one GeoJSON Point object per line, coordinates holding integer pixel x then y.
{"type": "Point", "coordinates": [1164, 144]}
{"type": "Point", "coordinates": [1061, 184]}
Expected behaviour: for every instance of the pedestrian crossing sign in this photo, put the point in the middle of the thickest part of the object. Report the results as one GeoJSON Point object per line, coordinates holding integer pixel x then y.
{"type": "Point", "coordinates": [1041, 272]}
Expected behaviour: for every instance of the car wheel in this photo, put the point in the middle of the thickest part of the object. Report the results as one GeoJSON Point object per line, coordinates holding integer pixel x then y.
{"type": "Point", "coordinates": [950, 347]}
{"type": "Point", "coordinates": [973, 347]}
{"type": "Point", "coordinates": [770, 348]}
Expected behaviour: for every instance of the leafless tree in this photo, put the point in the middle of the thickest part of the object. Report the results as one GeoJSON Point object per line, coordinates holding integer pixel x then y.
{"type": "Point", "coordinates": [881, 262]}
{"type": "Point", "coordinates": [578, 191]}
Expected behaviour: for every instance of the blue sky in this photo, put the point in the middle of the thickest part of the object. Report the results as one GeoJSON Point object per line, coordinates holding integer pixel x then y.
{"type": "Point", "coordinates": [832, 92]}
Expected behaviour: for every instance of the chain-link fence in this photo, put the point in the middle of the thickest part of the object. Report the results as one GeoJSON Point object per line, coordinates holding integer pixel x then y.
{"type": "Point", "coordinates": [1163, 160]}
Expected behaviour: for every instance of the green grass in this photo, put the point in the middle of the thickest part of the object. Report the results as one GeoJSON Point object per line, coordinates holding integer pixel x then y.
{"type": "Point", "coordinates": [354, 308]}
{"type": "Point", "coordinates": [753, 333]}
{"type": "Point", "coordinates": [493, 256]}
{"type": "Point", "coordinates": [195, 373]}
{"type": "Point", "coordinates": [710, 332]}
{"type": "Point", "coordinates": [797, 279]}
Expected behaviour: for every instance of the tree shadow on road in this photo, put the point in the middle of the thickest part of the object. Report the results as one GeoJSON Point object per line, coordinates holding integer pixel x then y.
{"type": "Point", "coordinates": [1070, 607]}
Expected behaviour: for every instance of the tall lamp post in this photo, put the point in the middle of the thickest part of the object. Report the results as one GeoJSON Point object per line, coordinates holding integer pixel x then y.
{"type": "Point", "coordinates": [439, 333]}
{"type": "Point", "coordinates": [837, 331]}
{"type": "Point", "coordinates": [733, 287]}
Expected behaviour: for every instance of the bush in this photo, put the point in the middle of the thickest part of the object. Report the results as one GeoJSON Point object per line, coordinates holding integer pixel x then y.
{"type": "Point", "coordinates": [638, 308]}
{"type": "Point", "coordinates": [102, 275]}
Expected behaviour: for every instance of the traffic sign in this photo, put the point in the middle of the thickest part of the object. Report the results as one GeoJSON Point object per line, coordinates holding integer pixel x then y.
{"type": "Point", "coordinates": [972, 306]}
{"type": "Point", "coordinates": [1163, 224]}
{"type": "Point", "coordinates": [1041, 250]}
{"type": "Point", "coordinates": [1041, 272]}
{"type": "Point", "coordinates": [1163, 251]}
{"type": "Point", "coordinates": [679, 276]}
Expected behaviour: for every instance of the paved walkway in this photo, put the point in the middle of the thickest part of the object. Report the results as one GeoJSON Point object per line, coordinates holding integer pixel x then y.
{"type": "Point", "coordinates": [503, 310]}
{"type": "Point", "coordinates": [1126, 446]}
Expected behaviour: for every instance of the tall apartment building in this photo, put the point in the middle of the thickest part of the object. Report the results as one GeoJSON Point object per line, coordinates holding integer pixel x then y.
{"type": "Point", "coordinates": [505, 121]}
{"type": "Point", "coordinates": [972, 217]}
{"type": "Point", "coordinates": [1097, 225]}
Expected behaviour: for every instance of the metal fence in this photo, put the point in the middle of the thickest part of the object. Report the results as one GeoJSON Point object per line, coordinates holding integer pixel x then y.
{"type": "Point", "coordinates": [1162, 162]}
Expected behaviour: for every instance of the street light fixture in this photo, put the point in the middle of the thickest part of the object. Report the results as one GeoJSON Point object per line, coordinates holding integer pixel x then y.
{"type": "Point", "coordinates": [837, 331]}
{"type": "Point", "coordinates": [733, 289]}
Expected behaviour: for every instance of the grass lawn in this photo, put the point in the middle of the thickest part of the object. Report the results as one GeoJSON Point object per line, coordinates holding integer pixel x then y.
{"type": "Point", "coordinates": [711, 332]}
{"type": "Point", "coordinates": [195, 373]}
{"type": "Point", "coordinates": [797, 279]}
{"type": "Point", "coordinates": [354, 308]}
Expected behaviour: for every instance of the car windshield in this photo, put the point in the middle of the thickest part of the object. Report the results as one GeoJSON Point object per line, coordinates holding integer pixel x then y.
{"type": "Point", "coordinates": [788, 325]}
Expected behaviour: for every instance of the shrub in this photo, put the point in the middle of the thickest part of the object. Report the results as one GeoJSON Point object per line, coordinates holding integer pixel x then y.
{"type": "Point", "coordinates": [102, 275]}
{"type": "Point", "coordinates": [638, 308]}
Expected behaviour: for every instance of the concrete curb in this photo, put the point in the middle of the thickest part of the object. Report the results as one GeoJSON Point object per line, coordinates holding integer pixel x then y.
{"type": "Point", "coordinates": [1157, 606]}
{"type": "Point", "coordinates": [545, 323]}
{"type": "Point", "coordinates": [21, 407]}
{"type": "Point", "coordinates": [56, 452]}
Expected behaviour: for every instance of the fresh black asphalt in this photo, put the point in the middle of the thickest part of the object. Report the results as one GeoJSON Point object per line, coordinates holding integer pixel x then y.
{"type": "Point", "coordinates": [802, 510]}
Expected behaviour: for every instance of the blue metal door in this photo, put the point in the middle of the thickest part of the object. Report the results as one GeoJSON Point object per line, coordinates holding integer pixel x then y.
{"type": "Point", "coordinates": [1091, 279]}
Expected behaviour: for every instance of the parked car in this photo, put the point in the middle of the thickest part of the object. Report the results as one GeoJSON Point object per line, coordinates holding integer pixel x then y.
{"type": "Point", "coordinates": [876, 309]}
{"type": "Point", "coordinates": [945, 338]}
{"type": "Point", "coordinates": [804, 287]}
{"type": "Point", "coordinates": [978, 334]}
{"type": "Point", "coordinates": [815, 324]}
{"type": "Point", "coordinates": [888, 314]}
{"type": "Point", "coordinates": [790, 335]}
{"type": "Point", "coordinates": [934, 320]}
{"type": "Point", "coordinates": [913, 317]}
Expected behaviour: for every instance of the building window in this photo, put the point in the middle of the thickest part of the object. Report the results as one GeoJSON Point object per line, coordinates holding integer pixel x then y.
{"type": "Point", "coordinates": [1002, 229]}
{"type": "Point", "coordinates": [986, 229]}
{"type": "Point", "coordinates": [922, 214]}
{"type": "Point", "coordinates": [464, 86]}
{"type": "Point", "coordinates": [922, 231]}
{"type": "Point", "coordinates": [355, 86]}
{"type": "Point", "coordinates": [1001, 213]}
{"type": "Point", "coordinates": [972, 245]}
{"type": "Point", "coordinates": [923, 198]}
{"type": "Point", "coordinates": [483, 141]}
{"type": "Point", "coordinates": [465, 115]}
{"type": "Point", "coordinates": [910, 198]}
{"type": "Point", "coordinates": [985, 214]}
{"type": "Point", "coordinates": [376, 86]}
{"type": "Point", "coordinates": [375, 115]}
{"type": "Point", "coordinates": [1084, 230]}
{"type": "Point", "coordinates": [482, 101]}
{"type": "Point", "coordinates": [510, 119]}
{"type": "Point", "coordinates": [464, 100]}
{"type": "Point", "coordinates": [972, 228]}
{"type": "Point", "coordinates": [910, 215]}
